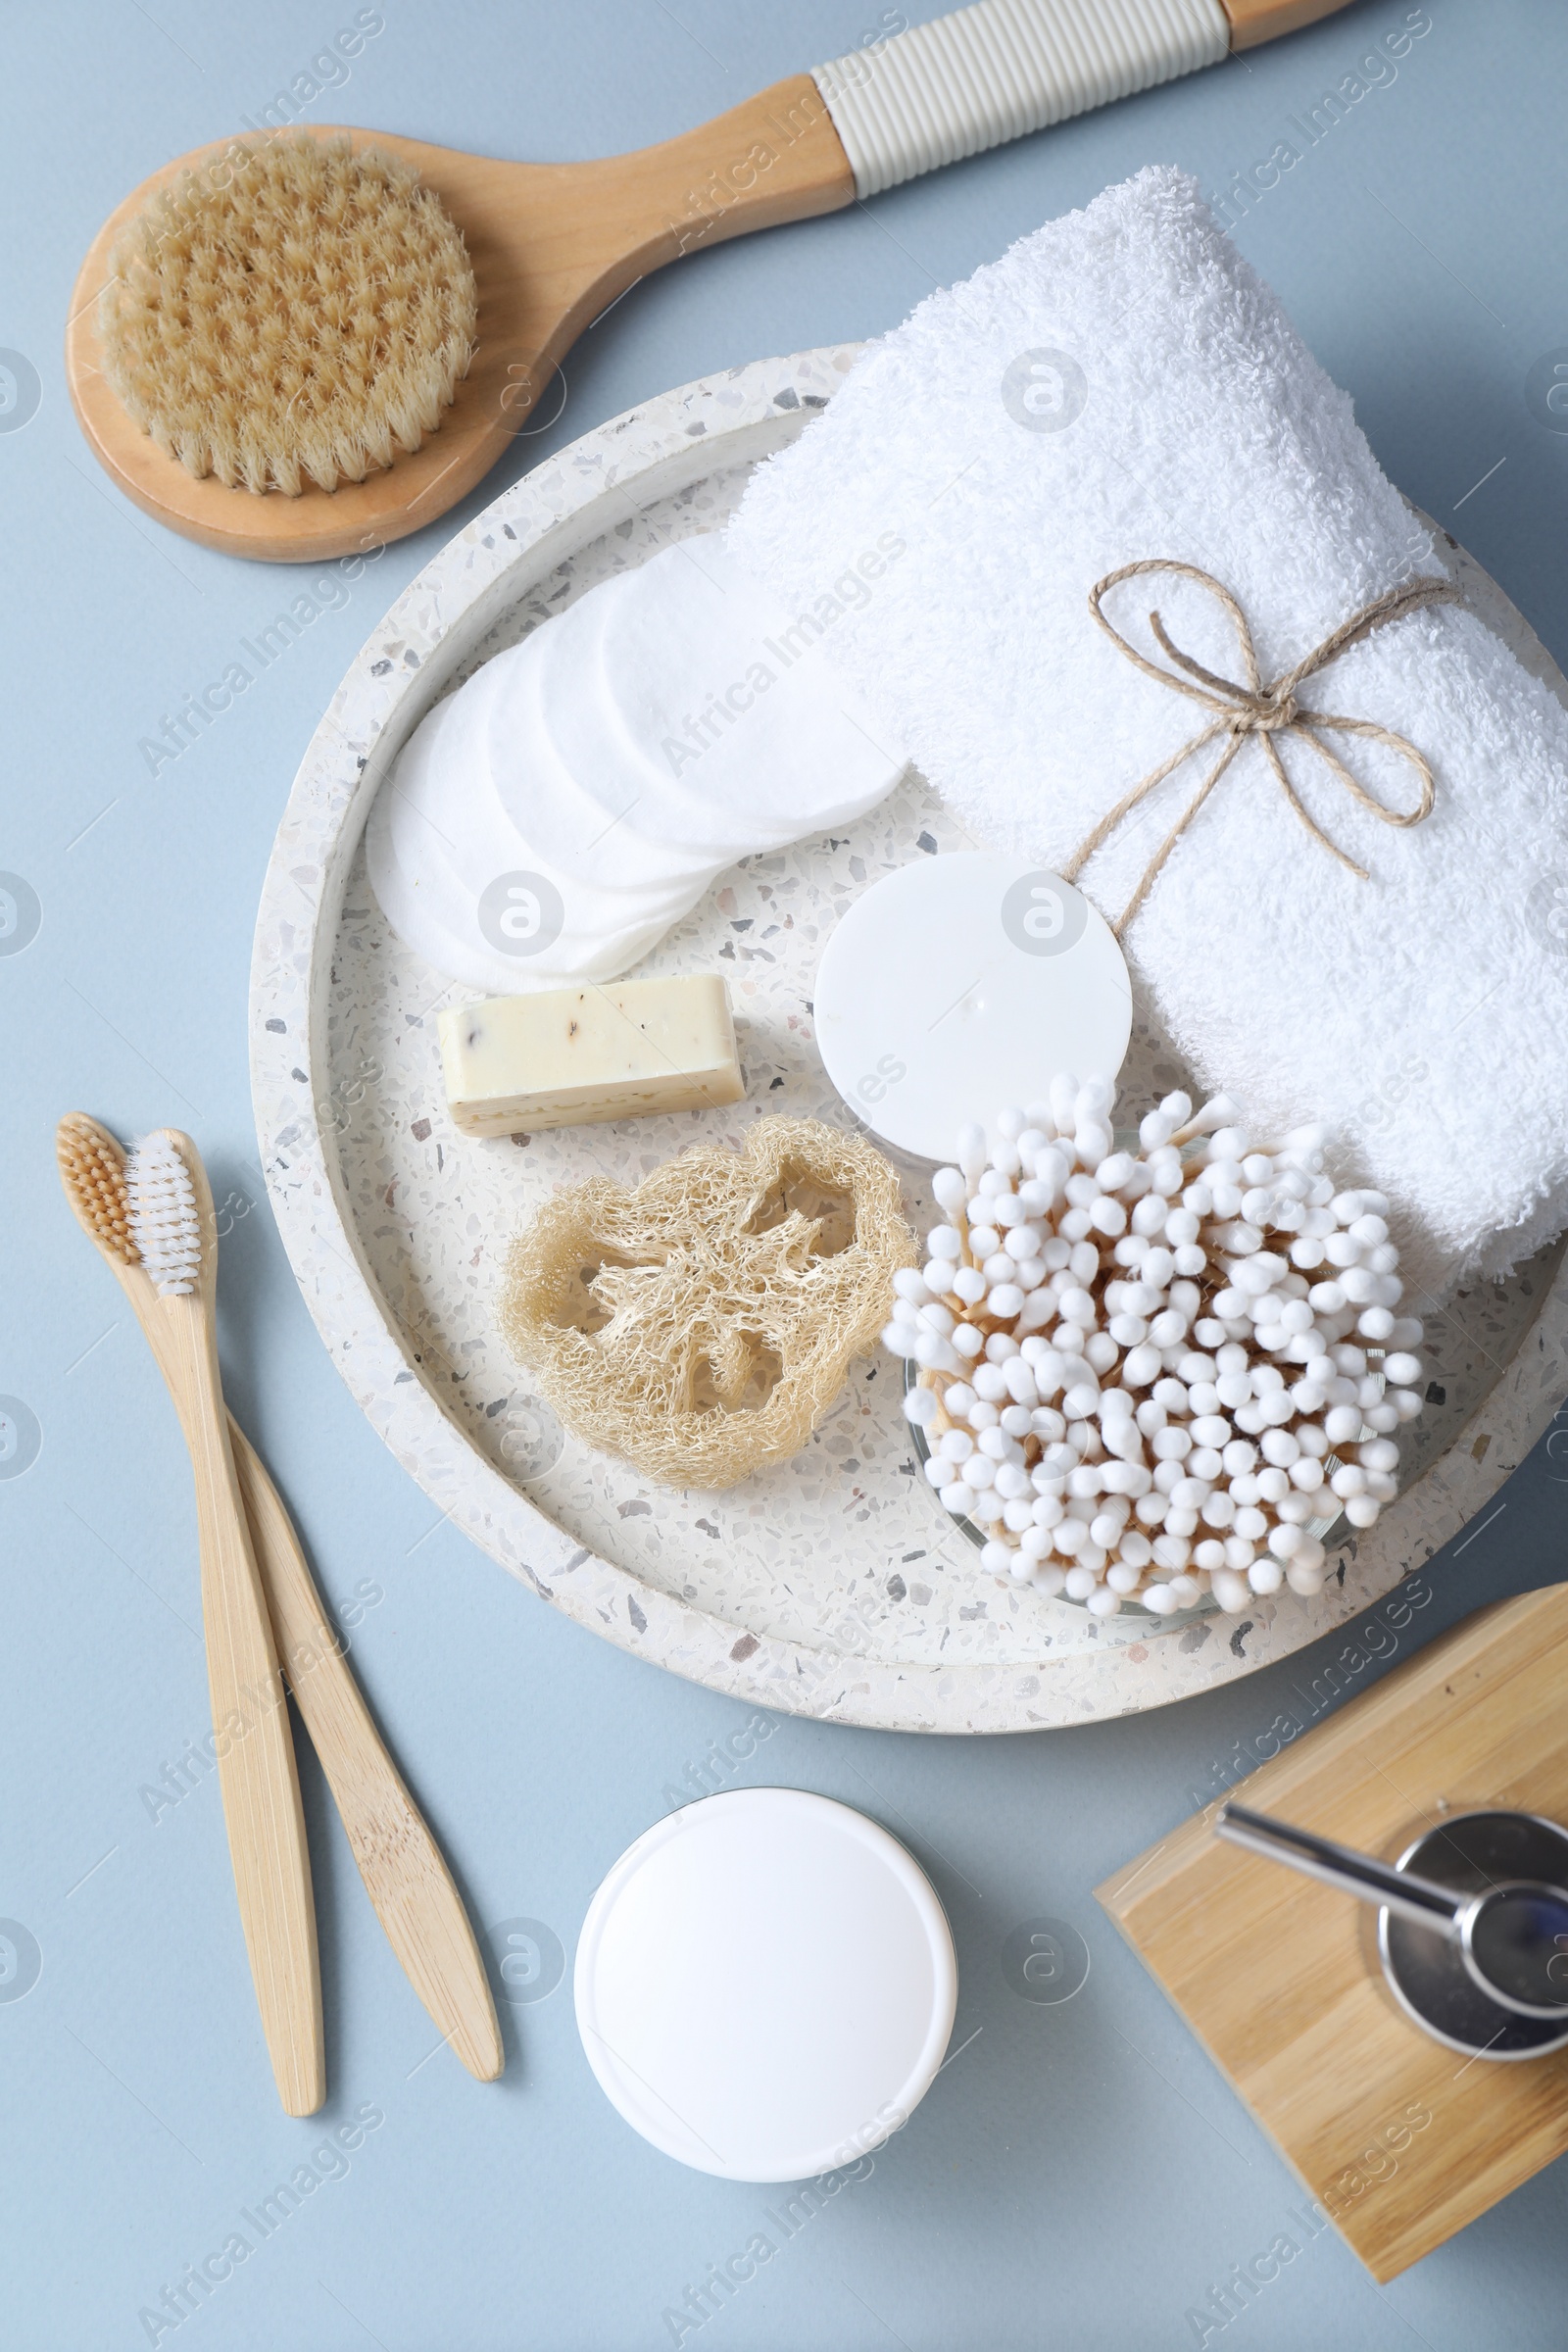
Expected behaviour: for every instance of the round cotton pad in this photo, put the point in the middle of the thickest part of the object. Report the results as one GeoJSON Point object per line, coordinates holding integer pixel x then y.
{"type": "Point", "coordinates": [442, 854]}
{"type": "Point", "coordinates": [586, 815]}
{"type": "Point", "coordinates": [444, 797]}
{"type": "Point", "coordinates": [407, 912]}
{"type": "Point", "coordinates": [964, 982]}
{"type": "Point", "coordinates": [409, 906]}
{"type": "Point", "coordinates": [589, 732]}
{"type": "Point", "coordinates": [766, 1985]}
{"type": "Point", "coordinates": [542, 822]}
{"type": "Point", "coordinates": [727, 697]}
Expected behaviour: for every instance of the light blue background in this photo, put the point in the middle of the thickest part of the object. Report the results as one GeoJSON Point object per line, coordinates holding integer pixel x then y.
{"type": "Point", "coordinates": [1080, 2174]}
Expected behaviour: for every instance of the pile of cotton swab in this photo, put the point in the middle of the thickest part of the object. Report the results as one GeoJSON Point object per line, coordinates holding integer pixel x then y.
{"type": "Point", "coordinates": [1151, 1375]}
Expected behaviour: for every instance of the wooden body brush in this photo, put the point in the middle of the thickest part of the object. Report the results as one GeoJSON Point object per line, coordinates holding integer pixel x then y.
{"type": "Point", "coordinates": [399, 1860]}
{"type": "Point", "coordinates": [259, 313]}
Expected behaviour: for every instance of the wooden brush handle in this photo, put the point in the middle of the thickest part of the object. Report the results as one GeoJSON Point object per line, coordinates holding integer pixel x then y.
{"type": "Point", "coordinates": [1254, 22]}
{"type": "Point", "coordinates": [405, 1873]}
{"type": "Point", "coordinates": [774, 158]}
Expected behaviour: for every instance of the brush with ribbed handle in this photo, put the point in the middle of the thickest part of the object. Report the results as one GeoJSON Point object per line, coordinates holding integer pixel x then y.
{"type": "Point", "coordinates": [404, 1870]}
{"type": "Point", "coordinates": [361, 400]}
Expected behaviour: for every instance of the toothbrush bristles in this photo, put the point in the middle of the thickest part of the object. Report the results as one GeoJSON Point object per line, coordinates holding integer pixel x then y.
{"type": "Point", "coordinates": [94, 1171]}
{"type": "Point", "coordinates": [165, 1222]}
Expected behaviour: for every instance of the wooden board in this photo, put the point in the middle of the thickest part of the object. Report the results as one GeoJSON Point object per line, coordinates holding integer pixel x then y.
{"type": "Point", "coordinates": [1279, 1977]}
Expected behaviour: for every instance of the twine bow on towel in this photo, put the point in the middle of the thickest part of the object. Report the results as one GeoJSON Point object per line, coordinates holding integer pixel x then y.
{"type": "Point", "coordinates": [1255, 709]}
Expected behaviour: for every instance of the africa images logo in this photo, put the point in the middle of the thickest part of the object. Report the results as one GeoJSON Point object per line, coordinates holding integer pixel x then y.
{"type": "Point", "coordinates": [522, 913]}
{"type": "Point", "coordinates": [1044, 390]}
{"type": "Point", "coordinates": [19, 391]}
{"type": "Point", "coordinates": [1044, 1960]}
{"type": "Point", "coordinates": [20, 1437]}
{"type": "Point", "coordinates": [1043, 914]}
{"type": "Point", "coordinates": [1547, 912]}
{"type": "Point", "coordinates": [20, 1960]}
{"type": "Point", "coordinates": [1546, 390]}
{"type": "Point", "coordinates": [20, 914]}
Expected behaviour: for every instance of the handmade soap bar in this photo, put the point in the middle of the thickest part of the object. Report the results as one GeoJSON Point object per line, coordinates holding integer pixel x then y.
{"type": "Point", "coordinates": [569, 1056]}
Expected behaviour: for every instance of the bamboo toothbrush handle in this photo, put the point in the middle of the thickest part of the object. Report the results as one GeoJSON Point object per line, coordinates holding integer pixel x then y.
{"type": "Point", "coordinates": [403, 1868]}
{"type": "Point", "coordinates": [260, 1786]}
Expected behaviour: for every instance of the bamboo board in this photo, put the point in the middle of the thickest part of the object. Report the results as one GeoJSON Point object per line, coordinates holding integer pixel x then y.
{"type": "Point", "coordinates": [1278, 1976]}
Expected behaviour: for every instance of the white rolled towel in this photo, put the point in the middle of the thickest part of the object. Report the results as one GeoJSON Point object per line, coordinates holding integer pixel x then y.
{"type": "Point", "coordinates": [1121, 385]}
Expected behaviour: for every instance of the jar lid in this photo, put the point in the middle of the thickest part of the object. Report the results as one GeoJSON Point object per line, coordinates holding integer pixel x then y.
{"type": "Point", "coordinates": [963, 983]}
{"type": "Point", "coordinates": [766, 1985]}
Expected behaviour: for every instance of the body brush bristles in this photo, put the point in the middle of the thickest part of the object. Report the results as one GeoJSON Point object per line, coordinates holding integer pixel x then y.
{"type": "Point", "coordinates": [297, 313]}
{"type": "Point", "coordinates": [165, 1222]}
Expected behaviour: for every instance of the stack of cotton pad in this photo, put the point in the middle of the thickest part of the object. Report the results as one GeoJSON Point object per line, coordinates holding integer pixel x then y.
{"type": "Point", "coordinates": [1122, 386]}
{"type": "Point", "coordinates": [554, 818]}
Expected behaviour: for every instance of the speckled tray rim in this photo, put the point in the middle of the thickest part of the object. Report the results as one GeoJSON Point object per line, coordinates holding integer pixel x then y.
{"type": "Point", "coordinates": [540, 523]}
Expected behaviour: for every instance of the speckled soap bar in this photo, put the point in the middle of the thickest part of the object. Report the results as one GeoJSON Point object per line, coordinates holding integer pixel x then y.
{"type": "Point", "coordinates": [568, 1057]}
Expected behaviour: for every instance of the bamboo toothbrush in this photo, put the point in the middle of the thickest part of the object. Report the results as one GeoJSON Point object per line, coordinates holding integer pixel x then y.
{"type": "Point", "coordinates": [404, 1872]}
{"type": "Point", "coordinates": [164, 1220]}
{"type": "Point", "coordinates": [228, 350]}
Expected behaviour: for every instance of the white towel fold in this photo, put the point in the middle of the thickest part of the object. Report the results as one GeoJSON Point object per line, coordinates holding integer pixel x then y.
{"type": "Point", "coordinates": [1122, 385]}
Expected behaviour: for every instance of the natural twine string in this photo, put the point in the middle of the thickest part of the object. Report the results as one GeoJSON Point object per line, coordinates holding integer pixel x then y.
{"type": "Point", "coordinates": [1255, 708]}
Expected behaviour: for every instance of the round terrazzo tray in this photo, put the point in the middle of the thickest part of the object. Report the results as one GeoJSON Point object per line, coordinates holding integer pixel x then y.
{"type": "Point", "coordinates": [835, 1584]}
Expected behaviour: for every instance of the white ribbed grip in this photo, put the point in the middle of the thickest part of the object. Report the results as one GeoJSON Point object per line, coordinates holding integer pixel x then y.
{"type": "Point", "coordinates": [1002, 68]}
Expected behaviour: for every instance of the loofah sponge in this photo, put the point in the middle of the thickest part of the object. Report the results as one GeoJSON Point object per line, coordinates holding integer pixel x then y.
{"type": "Point", "coordinates": [308, 319]}
{"type": "Point", "coordinates": [702, 1324]}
